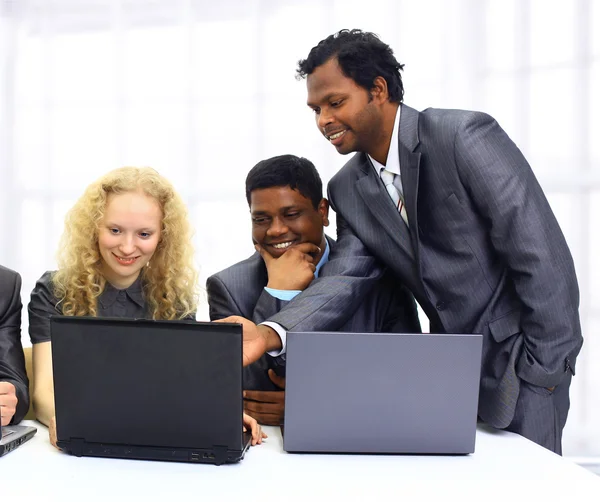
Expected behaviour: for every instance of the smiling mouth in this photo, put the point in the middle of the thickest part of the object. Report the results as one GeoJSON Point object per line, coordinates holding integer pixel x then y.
{"type": "Point", "coordinates": [125, 261]}
{"type": "Point", "coordinates": [282, 245]}
{"type": "Point", "coordinates": [336, 135]}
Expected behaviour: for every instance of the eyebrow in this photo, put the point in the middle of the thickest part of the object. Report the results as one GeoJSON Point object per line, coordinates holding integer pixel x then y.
{"type": "Point", "coordinates": [327, 97]}
{"type": "Point", "coordinates": [111, 224]}
{"type": "Point", "coordinates": [285, 208]}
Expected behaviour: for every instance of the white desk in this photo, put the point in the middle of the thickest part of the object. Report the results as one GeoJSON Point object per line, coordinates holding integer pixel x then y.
{"type": "Point", "coordinates": [504, 467]}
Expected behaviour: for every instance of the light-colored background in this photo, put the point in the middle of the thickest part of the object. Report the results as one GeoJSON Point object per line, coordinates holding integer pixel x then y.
{"type": "Point", "coordinates": [202, 90]}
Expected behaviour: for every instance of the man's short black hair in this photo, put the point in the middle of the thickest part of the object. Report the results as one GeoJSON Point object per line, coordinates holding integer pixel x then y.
{"type": "Point", "coordinates": [362, 56]}
{"type": "Point", "coordinates": [286, 170]}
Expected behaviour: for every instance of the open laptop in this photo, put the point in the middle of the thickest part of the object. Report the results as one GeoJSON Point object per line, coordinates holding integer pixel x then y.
{"type": "Point", "coordinates": [381, 393]}
{"type": "Point", "coordinates": [143, 389]}
{"type": "Point", "coordinates": [13, 436]}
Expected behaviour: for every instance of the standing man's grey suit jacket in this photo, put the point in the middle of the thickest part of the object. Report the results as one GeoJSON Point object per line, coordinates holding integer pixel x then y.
{"type": "Point", "coordinates": [12, 361]}
{"type": "Point", "coordinates": [483, 254]}
{"type": "Point", "coordinates": [239, 290]}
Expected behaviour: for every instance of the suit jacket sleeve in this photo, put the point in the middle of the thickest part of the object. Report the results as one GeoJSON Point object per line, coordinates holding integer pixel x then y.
{"type": "Point", "coordinates": [222, 303]}
{"type": "Point", "coordinates": [526, 236]}
{"type": "Point", "coordinates": [12, 361]}
{"type": "Point", "coordinates": [344, 280]}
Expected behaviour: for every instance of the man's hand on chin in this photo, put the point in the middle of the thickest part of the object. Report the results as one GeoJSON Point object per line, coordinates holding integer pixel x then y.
{"type": "Point", "coordinates": [257, 339]}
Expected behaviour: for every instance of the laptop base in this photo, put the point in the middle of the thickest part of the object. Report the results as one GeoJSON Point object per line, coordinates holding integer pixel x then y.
{"type": "Point", "coordinates": [216, 455]}
{"type": "Point", "coordinates": [22, 434]}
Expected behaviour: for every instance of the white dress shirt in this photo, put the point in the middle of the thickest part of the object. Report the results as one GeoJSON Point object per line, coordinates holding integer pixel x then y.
{"type": "Point", "coordinates": [392, 162]}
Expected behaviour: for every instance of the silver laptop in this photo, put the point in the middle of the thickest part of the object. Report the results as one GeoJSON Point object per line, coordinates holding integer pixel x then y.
{"type": "Point", "coordinates": [13, 436]}
{"type": "Point", "coordinates": [381, 393]}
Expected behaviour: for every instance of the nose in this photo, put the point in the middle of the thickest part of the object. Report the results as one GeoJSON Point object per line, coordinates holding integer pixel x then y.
{"type": "Point", "coordinates": [324, 118]}
{"type": "Point", "coordinates": [127, 245]}
{"type": "Point", "coordinates": [277, 228]}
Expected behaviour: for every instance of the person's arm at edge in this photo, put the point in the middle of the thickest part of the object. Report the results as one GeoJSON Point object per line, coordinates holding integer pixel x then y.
{"type": "Point", "coordinates": [14, 371]}
{"type": "Point", "coordinates": [43, 392]}
{"type": "Point", "coordinates": [41, 306]}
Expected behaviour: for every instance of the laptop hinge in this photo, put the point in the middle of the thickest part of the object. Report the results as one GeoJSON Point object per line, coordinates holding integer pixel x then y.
{"type": "Point", "coordinates": [220, 453]}
{"type": "Point", "coordinates": [76, 446]}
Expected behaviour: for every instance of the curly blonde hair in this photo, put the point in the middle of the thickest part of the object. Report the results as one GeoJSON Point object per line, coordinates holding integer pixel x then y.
{"type": "Point", "coordinates": [170, 278]}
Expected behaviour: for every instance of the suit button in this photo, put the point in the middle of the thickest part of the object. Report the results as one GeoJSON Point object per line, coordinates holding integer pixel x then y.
{"type": "Point", "coordinates": [440, 305]}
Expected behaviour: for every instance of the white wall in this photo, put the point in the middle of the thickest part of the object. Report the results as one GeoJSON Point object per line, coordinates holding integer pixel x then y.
{"type": "Point", "coordinates": [202, 90]}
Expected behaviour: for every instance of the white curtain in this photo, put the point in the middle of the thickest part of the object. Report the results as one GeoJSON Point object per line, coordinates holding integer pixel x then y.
{"type": "Point", "coordinates": [202, 90]}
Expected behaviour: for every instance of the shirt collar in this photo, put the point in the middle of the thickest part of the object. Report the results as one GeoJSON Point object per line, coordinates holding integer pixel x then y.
{"type": "Point", "coordinates": [134, 292]}
{"type": "Point", "coordinates": [392, 163]}
{"type": "Point", "coordinates": [324, 259]}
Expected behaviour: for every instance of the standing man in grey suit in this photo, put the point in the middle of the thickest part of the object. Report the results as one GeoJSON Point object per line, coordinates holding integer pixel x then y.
{"type": "Point", "coordinates": [289, 213]}
{"type": "Point", "coordinates": [14, 392]}
{"type": "Point", "coordinates": [448, 203]}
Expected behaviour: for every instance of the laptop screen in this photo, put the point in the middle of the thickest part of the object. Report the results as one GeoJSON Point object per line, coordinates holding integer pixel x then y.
{"type": "Point", "coordinates": [144, 382]}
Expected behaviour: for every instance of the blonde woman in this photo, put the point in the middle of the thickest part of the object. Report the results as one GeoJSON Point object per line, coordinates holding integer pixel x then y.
{"type": "Point", "coordinates": [125, 252]}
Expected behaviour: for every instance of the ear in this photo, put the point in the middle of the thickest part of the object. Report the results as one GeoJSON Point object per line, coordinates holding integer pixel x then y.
{"type": "Point", "coordinates": [379, 91]}
{"type": "Point", "coordinates": [323, 210]}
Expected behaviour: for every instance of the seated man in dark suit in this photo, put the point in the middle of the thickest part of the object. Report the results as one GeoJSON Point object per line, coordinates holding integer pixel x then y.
{"type": "Point", "coordinates": [288, 212]}
{"type": "Point", "coordinates": [14, 386]}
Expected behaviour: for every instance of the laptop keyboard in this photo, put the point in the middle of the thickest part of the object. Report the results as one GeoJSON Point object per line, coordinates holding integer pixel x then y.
{"type": "Point", "coordinates": [6, 432]}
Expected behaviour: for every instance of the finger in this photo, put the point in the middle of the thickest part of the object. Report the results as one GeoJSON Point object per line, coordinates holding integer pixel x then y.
{"type": "Point", "coordinates": [276, 379]}
{"type": "Point", "coordinates": [7, 388]}
{"type": "Point", "coordinates": [269, 418]}
{"type": "Point", "coordinates": [265, 396]}
{"type": "Point", "coordinates": [257, 433]}
{"type": "Point", "coordinates": [8, 400]}
{"type": "Point", "coordinates": [307, 248]}
{"type": "Point", "coordinates": [233, 319]}
{"type": "Point", "coordinates": [254, 428]}
{"type": "Point", "coordinates": [6, 413]}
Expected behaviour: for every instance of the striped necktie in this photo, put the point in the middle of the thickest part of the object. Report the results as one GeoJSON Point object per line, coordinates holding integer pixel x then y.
{"type": "Point", "coordinates": [388, 180]}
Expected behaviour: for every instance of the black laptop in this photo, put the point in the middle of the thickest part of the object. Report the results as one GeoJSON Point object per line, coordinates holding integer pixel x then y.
{"type": "Point", "coordinates": [381, 393]}
{"type": "Point", "coordinates": [13, 436]}
{"type": "Point", "coordinates": [152, 390]}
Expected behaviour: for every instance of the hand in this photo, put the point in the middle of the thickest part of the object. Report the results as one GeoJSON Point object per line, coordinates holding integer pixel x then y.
{"type": "Point", "coordinates": [52, 432]}
{"type": "Point", "coordinates": [267, 406]}
{"type": "Point", "coordinates": [257, 434]}
{"type": "Point", "coordinates": [8, 402]}
{"type": "Point", "coordinates": [257, 339]}
{"type": "Point", "coordinates": [294, 270]}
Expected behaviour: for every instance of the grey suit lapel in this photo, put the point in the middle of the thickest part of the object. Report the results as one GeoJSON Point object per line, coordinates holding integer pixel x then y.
{"type": "Point", "coordinates": [408, 140]}
{"type": "Point", "coordinates": [373, 192]}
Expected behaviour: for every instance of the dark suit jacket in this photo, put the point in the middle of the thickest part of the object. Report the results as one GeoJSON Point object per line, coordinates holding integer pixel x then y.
{"type": "Point", "coordinates": [484, 252]}
{"type": "Point", "coordinates": [12, 360]}
{"type": "Point", "coordinates": [239, 290]}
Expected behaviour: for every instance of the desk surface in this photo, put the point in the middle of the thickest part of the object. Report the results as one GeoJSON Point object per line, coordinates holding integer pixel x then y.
{"type": "Point", "coordinates": [504, 467]}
